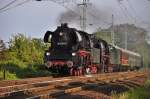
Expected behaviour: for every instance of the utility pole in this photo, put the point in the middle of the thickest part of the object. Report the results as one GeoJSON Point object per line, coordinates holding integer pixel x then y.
{"type": "Point", "coordinates": [112, 31]}
{"type": "Point", "coordinates": [83, 17]}
{"type": "Point", "coordinates": [126, 39]}
{"type": "Point", "coordinates": [126, 36]}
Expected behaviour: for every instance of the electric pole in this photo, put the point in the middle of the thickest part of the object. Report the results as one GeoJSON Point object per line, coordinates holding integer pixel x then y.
{"type": "Point", "coordinates": [112, 31]}
{"type": "Point", "coordinates": [126, 39]}
{"type": "Point", "coordinates": [126, 36]}
{"type": "Point", "coordinates": [83, 16]}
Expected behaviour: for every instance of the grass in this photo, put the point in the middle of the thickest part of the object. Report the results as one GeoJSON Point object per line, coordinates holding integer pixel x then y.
{"type": "Point", "coordinates": [19, 70]}
{"type": "Point", "coordinates": [8, 75]}
{"type": "Point", "coordinates": [138, 93]}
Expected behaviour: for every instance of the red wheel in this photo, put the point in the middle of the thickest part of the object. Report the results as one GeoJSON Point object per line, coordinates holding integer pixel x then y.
{"type": "Point", "coordinates": [110, 69]}
{"type": "Point", "coordinates": [80, 71]}
{"type": "Point", "coordinates": [71, 71]}
{"type": "Point", "coordinates": [75, 73]}
{"type": "Point", "coordinates": [84, 71]}
{"type": "Point", "coordinates": [95, 70]}
{"type": "Point", "coordinates": [92, 70]}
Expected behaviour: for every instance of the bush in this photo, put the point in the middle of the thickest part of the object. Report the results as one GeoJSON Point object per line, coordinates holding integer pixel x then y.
{"type": "Point", "coordinates": [24, 58]}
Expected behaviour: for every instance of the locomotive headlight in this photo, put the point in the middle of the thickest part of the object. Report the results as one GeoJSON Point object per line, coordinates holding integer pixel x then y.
{"type": "Point", "coordinates": [61, 34]}
{"type": "Point", "coordinates": [48, 53]}
{"type": "Point", "coordinates": [73, 54]}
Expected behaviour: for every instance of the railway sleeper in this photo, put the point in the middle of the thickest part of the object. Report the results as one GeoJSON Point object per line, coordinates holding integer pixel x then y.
{"type": "Point", "coordinates": [111, 78]}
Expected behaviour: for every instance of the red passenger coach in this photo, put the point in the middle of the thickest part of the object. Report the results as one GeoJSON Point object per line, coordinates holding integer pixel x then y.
{"type": "Point", "coordinates": [124, 58]}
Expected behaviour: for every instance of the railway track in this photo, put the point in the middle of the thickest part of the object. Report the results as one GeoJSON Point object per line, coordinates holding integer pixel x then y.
{"type": "Point", "coordinates": [47, 87]}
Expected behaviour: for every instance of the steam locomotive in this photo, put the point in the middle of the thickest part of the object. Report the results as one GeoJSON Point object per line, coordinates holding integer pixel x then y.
{"type": "Point", "coordinates": [75, 52]}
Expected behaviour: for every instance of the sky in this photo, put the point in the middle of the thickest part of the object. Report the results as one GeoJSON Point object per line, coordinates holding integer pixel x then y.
{"type": "Point", "coordinates": [34, 18]}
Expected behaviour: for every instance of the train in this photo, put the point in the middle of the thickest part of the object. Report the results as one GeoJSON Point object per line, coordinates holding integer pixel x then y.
{"type": "Point", "coordinates": [74, 52]}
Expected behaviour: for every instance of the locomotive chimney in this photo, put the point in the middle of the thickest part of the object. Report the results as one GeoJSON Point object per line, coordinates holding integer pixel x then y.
{"type": "Point", "coordinates": [64, 25]}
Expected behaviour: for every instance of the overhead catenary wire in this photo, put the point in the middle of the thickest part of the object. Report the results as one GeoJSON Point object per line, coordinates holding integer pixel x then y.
{"type": "Point", "coordinates": [82, 17]}
{"type": "Point", "coordinates": [60, 2]}
{"type": "Point", "coordinates": [118, 14]}
{"type": "Point", "coordinates": [125, 11]}
{"type": "Point", "coordinates": [130, 5]}
{"type": "Point", "coordinates": [74, 1]}
{"type": "Point", "coordinates": [19, 4]}
{"type": "Point", "coordinates": [14, 4]}
{"type": "Point", "coordinates": [138, 17]}
{"type": "Point", "coordinates": [7, 5]}
{"type": "Point", "coordinates": [63, 4]}
{"type": "Point", "coordinates": [93, 15]}
{"type": "Point", "coordinates": [129, 13]}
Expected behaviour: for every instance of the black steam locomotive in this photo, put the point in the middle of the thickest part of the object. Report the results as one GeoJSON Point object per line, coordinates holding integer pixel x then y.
{"type": "Point", "coordinates": [76, 52]}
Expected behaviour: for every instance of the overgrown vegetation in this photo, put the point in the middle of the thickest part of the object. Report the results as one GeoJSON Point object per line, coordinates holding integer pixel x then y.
{"type": "Point", "coordinates": [23, 59]}
{"type": "Point", "coordinates": [138, 93]}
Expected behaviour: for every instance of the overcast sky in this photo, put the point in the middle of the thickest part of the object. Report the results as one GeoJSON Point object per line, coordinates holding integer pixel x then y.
{"type": "Point", "coordinates": [35, 18]}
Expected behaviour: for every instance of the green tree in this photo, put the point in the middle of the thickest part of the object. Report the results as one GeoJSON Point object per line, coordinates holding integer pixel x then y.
{"type": "Point", "coordinates": [20, 47]}
{"type": "Point", "coordinates": [26, 49]}
{"type": "Point", "coordinates": [2, 50]}
{"type": "Point", "coordinates": [37, 50]}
